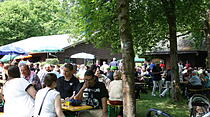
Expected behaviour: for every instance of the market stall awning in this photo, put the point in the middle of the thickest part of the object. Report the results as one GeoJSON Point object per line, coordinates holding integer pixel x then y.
{"type": "Point", "coordinates": [47, 49]}
{"type": "Point", "coordinates": [44, 44]}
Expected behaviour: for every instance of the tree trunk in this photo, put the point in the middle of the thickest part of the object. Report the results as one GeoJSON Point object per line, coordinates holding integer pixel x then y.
{"type": "Point", "coordinates": [129, 102]}
{"type": "Point", "coordinates": [169, 7]}
{"type": "Point", "coordinates": [207, 31]}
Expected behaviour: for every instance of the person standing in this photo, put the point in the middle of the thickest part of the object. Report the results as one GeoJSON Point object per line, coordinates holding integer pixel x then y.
{"type": "Point", "coordinates": [19, 95]}
{"type": "Point", "coordinates": [67, 84]}
{"type": "Point", "coordinates": [52, 102]}
{"type": "Point", "coordinates": [104, 67]}
{"type": "Point", "coordinates": [41, 74]}
{"type": "Point", "coordinates": [156, 77]}
{"type": "Point", "coordinates": [181, 67]}
{"type": "Point", "coordinates": [1, 66]}
{"type": "Point", "coordinates": [114, 64]}
{"type": "Point", "coordinates": [167, 82]}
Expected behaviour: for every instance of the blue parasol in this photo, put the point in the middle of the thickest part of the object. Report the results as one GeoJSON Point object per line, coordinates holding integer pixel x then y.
{"type": "Point", "coordinates": [10, 49]}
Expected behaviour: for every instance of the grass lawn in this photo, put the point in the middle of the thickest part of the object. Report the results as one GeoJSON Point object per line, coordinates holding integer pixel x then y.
{"type": "Point", "coordinates": [175, 109]}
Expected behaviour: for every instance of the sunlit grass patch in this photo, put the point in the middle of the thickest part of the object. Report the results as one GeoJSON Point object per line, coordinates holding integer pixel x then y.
{"type": "Point", "coordinates": [166, 104]}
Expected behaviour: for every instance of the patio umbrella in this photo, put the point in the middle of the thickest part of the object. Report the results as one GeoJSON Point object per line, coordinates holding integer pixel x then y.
{"type": "Point", "coordinates": [8, 57]}
{"type": "Point", "coordinates": [10, 49]}
{"type": "Point", "coordinates": [83, 55]}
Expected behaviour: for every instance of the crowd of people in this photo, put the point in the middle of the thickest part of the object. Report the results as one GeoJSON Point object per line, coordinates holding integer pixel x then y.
{"type": "Point", "coordinates": [37, 90]}
{"type": "Point", "coordinates": [161, 76]}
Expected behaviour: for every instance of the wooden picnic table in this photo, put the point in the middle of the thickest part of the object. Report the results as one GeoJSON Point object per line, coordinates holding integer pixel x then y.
{"type": "Point", "coordinates": [1, 114]}
{"type": "Point", "coordinates": [76, 108]}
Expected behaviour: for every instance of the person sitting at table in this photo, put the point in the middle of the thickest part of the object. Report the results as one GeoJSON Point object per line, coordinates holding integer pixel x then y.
{"type": "Point", "coordinates": [93, 93]}
{"type": "Point", "coordinates": [67, 84]}
{"type": "Point", "coordinates": [52, 102]}
{"type": "Point", "coordinates": [19, 95]}
{"type": "Point", "coordinates": [116, 91]}
{"type": "Point", "coordinates": [30, 76]}
{"type": "Point", "coordinates": [115, 88]}
{"type": "Point", "coordinates": [205, 79]}
{"type": "Point", "coordinates": [195, 81]}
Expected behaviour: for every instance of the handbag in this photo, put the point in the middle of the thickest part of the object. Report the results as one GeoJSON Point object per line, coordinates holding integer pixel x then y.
{"type": "Point", "coordinates": [43, 102]}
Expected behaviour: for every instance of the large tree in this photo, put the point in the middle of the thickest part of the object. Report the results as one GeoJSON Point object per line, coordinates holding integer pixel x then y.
{"type": "Point", "coordinates": [98, 22]}
{"type": "Point", "coordinates": [152, 21]}
{"type": "Point", "coordinates": [207, 32]}
{"type": "Point", "coordinates": [170, 12]}
{"type": "Point", "coordinates": [128, 59]}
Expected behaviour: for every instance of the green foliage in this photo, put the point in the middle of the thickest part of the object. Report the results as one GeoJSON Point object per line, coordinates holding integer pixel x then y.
{"type": "Point", "coordinates": [16, 22]}
{"type": "Point", "coordinates": [149, 24]}
{"type": "Point", "coordinates": [147, 20]}
{"type": "Point", "coordinates": [52, 61]}
{"type": "Point", "coordinates": [21, 19]}
{"type": "Point", "coordinates": [191, 16]}
{"type": "Point", "coordinates": [52, 16]}
{"type": "Point", "coordinates": [99, 22]}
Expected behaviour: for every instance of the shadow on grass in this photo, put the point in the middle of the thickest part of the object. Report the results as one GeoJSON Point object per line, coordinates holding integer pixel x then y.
{"type": "Point", "coordinates": [175, 109]}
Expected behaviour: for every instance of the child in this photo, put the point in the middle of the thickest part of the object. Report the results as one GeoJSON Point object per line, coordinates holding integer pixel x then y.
{"type": "Point", "coordinates": [199, 111]}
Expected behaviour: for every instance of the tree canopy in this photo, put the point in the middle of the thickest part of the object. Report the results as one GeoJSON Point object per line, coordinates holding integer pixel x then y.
{"type": "Point", "coordinates": [22, 19]}
{"type": "Point", "coordinates": [147, 20]}
{"type": "Point", "coordinates": [96, 20]}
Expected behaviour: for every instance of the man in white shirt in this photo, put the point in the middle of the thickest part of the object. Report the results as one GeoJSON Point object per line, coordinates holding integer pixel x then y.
{"type": "Point", "coordinates": [104, 67]}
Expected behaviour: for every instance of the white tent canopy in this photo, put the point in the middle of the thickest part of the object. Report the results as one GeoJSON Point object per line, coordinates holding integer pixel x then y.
{"type": "Point", "coordinates": [83, 55]}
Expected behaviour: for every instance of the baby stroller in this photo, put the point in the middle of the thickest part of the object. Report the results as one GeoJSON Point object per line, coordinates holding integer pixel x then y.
{"type": "Point", "coordinates": [199, 105]}
{"type": "Point", "coordinates": [156, 113]}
